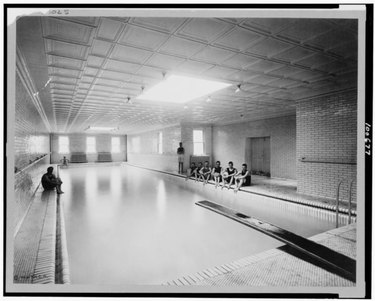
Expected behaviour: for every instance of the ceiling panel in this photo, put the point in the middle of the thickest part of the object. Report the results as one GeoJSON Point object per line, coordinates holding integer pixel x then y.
{"type": "Point", "coordinates": [238, 39]}
{"type": "Point", "coordinates": [109, 29]}
{"type": "Point", "coordinates": [181, 47]}
{"type": "Point", "coordinates": [268, 25]}
{"type": "Point", "coordinates": [294, 54]}
{"type": "Point", "coordinates": [130, 54]}
{"type": "Point", "coordinates": [269, 47]}
{"type": "Point", "coordinates": [213, 55]}
{"type": "Point", "coordinates": [164, 62]}
{"type": "Point", "coordinates": [239, 61]}
{"type": "Point", "coordinates": [66, 31]}
{"type": "Point", "coordinates": [141, 37]}
{"type": "Point", "coordinates": [203, 29]}
{"type": "Point", "coordinates": [100, 48]}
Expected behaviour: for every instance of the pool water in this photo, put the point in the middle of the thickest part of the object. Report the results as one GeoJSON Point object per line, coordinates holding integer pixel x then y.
{"type": "Point", "coordinates": [126, 225]}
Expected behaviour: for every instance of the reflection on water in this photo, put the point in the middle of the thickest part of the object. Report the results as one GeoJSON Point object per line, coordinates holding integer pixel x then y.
{"type": "Point", "coordinates": [125, 225]}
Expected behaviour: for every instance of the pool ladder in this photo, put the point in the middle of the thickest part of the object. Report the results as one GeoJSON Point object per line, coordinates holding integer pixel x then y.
{"type": "Point", "coordinates": [351, 180]}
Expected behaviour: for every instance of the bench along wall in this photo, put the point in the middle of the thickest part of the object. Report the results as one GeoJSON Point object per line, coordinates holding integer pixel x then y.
{"type": "Point", "coordinates": [77, 143]}
{"type": "Point", "coordinates": [31, 142]}
{"type": "Point", "coordinates": [229, 143]}
{"type": "Point", "coordinates": [143, 149]}
{"type": "Point", "coordinates": [327, 140]}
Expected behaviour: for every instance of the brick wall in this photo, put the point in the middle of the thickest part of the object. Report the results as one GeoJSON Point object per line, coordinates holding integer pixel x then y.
{"type": "Point", "coordinates": [143, 149]}
{"type": "Point", "coordinates": [229, 143]}
{"type": "Point", "coordinates": [31, 142]}
{"type": "Point", "coordinates": [77, 143]}
{"type": "Point", "coordinates": [326, 132]}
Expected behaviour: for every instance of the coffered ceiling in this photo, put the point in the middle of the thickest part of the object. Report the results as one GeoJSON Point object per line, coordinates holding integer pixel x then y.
{"type": "Point", "coordinates": [84, 69]}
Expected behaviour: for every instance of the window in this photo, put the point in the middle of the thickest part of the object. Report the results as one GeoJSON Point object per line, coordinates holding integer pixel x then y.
{"type": "Point", "coordinates": [91, 145]}
{"type": "Point", "coordinates": [198, 142]}
{"type": "Point", "coordinates": [63, 145]}
{"type": "Point", "coordinates": [115, 144]}
{"type": "Point", "coordinates": [160, 143]}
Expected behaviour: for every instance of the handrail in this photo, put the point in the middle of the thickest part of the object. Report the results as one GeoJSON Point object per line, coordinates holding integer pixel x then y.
{"type": "Point", "coordinates": [31, 164]}
{"type": "Point", "coordinates": [338, 200]}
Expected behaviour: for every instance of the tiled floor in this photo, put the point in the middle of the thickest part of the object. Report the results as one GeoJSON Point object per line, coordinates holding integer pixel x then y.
{"type": "Point", "coordinates": [279, 268]}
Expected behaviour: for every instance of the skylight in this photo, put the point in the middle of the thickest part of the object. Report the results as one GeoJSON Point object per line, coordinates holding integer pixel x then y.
{"type": "Point", "coordinates": [180, 89]}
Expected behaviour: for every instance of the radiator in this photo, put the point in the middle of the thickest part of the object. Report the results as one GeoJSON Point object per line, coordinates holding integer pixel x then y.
{"type": "Point", "coordinates": [78, 158]}
{"type": "Point", "coordinates": [104, 157]}
{"type": "Point", "coordinates": [197, 159]}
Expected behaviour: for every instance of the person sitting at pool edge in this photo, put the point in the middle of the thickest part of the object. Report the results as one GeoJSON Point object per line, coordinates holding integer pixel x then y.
{"type": "Point", "coordinates": [50, 181]}
{"type": "Point", "coordinates": [205, 173]}
{"type": "Point", "coordinates": [242, 178]}
{"type": "Point", "coordinates": [196, 172]}
{"type": "Point", "coordinates": [228, 175]}
{"type": "Point", "coordinates": [190, 171]}
{"type": "Point", "coordinates": [64, 161]}
{"type": "Point", "coordinates": [216, 173]}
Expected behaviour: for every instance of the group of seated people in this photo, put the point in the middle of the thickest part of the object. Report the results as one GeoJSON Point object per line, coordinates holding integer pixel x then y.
{"type": "Point", "coordinates": [227, 176]}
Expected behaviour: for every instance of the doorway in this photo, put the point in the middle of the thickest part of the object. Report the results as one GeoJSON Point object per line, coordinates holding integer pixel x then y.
{"type": "Point", "coordinates": [258, 153]}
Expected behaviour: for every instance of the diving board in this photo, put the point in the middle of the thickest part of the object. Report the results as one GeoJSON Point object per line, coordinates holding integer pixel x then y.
{"type": "Point", "coordinates": [341, 264]}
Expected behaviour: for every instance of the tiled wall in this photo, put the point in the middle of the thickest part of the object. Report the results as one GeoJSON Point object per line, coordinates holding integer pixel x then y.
{"type": "Point", "coordinates": [143, 149]}
{"type": "Point", "coordinates": [229, 143]}
{"type": "Point", "coordinates": [77, 143]}
{"type": "Point", "coordinates": [326, 132]}
{"type": "Point", "coordinates": [31, 142]}
{"type": "Point", "coordinates": [187, 139]}
{"type": "Point", "coordinates": [31, 139]}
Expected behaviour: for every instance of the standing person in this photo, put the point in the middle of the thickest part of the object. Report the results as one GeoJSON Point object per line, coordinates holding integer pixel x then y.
{"type": "Point", "coordinates": [205, 172]}
{"type": "Point", "coordinates": [50, 181]}
{"type": "Point", "coordinates": [228, 175]}
{"type": "Point", "coordinates": [216, 173]}
{"type": "Point", "coordinates": [180, 154]}
{"type": "Point", "coordinates": [196, 172]}
{"type": "Point", "coordinates": [242, 178]}
{"type": "Point", "coordinates": [191, 171]}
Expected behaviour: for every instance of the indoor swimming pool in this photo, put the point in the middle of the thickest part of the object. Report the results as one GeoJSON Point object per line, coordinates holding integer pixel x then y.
{"type": "Point", "coordinates": [128, 225]}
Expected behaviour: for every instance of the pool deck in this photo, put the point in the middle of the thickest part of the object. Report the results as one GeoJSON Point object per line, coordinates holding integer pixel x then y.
{"type": "Point", "coordinates": [279, 267]}
{"type": "Point", "coordinates": [282, 189]}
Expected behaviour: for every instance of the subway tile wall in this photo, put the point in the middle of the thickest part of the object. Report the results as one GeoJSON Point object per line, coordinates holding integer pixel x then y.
{"type": "Point", "coordinates": [229, 143]}
{"type": "Point", "coordinates": [77, 143]}
{"type": "Point", "coordinates": [327, 132]}
{"type": "Point", "coordinates": [31, 142]}
{"type": "Point", "coordinates": [143, 149]}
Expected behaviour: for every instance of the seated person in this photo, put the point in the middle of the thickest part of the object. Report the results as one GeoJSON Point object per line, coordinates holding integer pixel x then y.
{"type": "Point", "coordinates": [228, 175]}
{"type": "Point", "coordinates": [190, 171]}
{"type": "Point", "coordinates": [216, 173]}
{"type": "Point", "coordinates": [196, 173]}
{"type": "Point", "coordinates": [50, 181]}
{"type": "Point", "coordinates": [64, 161]}
{"type": "Point", "coordinates": [205, 173]}
{"type": "Point", "coordinates": [242, 178]}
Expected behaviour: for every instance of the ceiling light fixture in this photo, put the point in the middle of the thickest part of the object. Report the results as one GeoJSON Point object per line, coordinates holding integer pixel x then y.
{"type": "Point", "coordinates": [180, 89]}
{"type": "Point", "coordinates": [101, 128]}
{"type": "Point", "coordinates": [238, 88]}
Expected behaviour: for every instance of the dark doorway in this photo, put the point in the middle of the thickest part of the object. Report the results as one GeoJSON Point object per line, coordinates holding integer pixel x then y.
{"type": "Point", "coordinates": [259, 155]}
